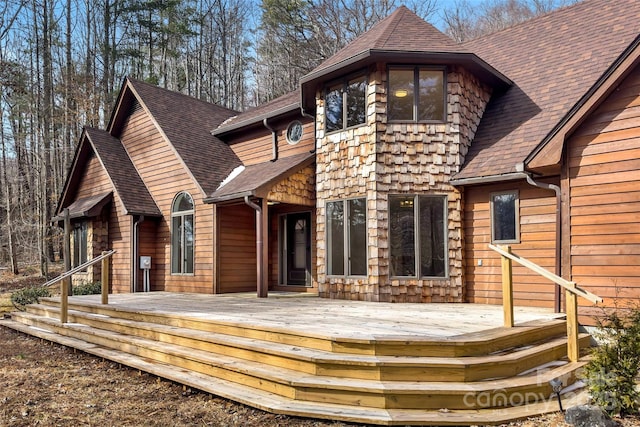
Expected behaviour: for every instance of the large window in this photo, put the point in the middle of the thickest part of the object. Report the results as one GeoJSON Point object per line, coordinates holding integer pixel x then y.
{"type": "Point", "coordinates": [80, 243]}
{"type": "Point", "coordinates": [416, 94]}
{"type": "Point", "coordinates": [345, 104]}
{"type": "Point", "coordinates": [505, 217]}
{"type": "Point", "coordinates": [418, 236]}
{"type": "Point", "coordinates": [182, 234]}
{"type": "Point", "coordinates": [347, 237]}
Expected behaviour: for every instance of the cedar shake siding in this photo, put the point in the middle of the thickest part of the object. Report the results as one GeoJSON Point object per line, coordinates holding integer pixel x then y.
{"type": "Point", "coordinates": [379, 159]}
{"type": "Point", "coordinates": [602, 170]}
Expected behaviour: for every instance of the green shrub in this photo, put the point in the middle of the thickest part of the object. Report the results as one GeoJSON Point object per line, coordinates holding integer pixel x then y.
{"type": "Point", "coordinates": [613, 369]}
{"type": "Point", "coordinates": [29, 295]}
{"type": "Point", "coordinates": [87, 288]}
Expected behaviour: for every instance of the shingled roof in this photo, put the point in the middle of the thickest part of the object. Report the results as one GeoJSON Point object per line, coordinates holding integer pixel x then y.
{"type": "Point", "coordinates": [554, 60]}
{"type": "Point", "coordinates": [402, 36]}
{"type": "Point", "coordinates": [187, 123]}
{"type": "Point", "coordinates": [284, 104]}
{"type": "Point", "coordinates": [126, 182]}
{"type": "Point", "coordinates": [256, 179]}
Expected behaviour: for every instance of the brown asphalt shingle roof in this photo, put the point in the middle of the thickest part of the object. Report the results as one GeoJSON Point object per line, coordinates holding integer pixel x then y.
{"type": "Point", "coordinates": [281, 105]}
{"type": "Point", "coordinates": [553, 61]}
{"type": "Point", "coordinates": [401, 31]}
{"type": "Point", "coordinates": [128, 184]}
{"type": "Point", "coordinates": [261, 176]}
{"type": "Point", "coordinates": [187, 122]}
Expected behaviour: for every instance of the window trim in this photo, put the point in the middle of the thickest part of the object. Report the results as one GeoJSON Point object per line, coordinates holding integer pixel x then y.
{"type": "Point", "coordinates": [80, 229]}
{"type": "Point", "coordinates": [516, 219]}
{"type": "Point", "coordinates": [344, 82]}
{"type": "Point", "coordinates": [346, 239]}
{"type": "Point", "coordinates": [182, 214]}
{"type": "Point", "coordinates": [416, 89]}
{"type": "Point", "coordinates": [416, 228]}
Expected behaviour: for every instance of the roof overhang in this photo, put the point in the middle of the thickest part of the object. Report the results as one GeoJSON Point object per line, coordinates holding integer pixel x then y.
{"type": "Point", "coordinates": [470, 61]}
{"type": "Point", "coordinates": [86, 207]}
{"type": "Point", "coordinates": [256, 120]}
{"type": "Point", "coordinates": [548, 154]}
{"type": "Point", "coordinates": [477, 180]}
{"type": "Point", "coordinates": [256, 180]}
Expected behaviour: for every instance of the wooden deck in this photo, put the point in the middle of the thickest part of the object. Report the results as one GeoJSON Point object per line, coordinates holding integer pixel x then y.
{"type": "Point", "coordinates": [375, 363]}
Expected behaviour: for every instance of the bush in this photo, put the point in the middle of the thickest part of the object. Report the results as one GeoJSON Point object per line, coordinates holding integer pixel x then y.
{"type": "Point", "coordinates": [29, 295]}
{"type": "Point", "coordinates": [87, 288]}
{"type": "Point", "coordinates": [613, 369]}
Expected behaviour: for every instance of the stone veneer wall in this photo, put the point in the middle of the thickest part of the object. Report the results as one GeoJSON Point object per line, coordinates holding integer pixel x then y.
{"type": "Point", "coordinates": [378, 159]}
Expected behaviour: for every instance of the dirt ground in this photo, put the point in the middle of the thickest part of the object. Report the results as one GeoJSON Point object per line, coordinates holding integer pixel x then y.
{"type": "Point", "coordinates": [44, 384]}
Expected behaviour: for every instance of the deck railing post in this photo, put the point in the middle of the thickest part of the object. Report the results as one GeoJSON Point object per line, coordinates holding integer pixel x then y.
{"type": "Point", "coordinates": [105, 278]}
{"type": "Point", "coordinates": [64, 299]}
{"type": "Point", "coordinates": [573, 347]}
{"type": "Point", "coordinates": [507, 289]}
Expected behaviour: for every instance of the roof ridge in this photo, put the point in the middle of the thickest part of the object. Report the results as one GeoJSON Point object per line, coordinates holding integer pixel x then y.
{"type": "Point", "coordinates": [394, 20]}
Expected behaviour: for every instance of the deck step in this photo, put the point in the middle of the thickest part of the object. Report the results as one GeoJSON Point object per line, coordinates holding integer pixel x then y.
{"type": "Point", "coordinates": [278, 404]}
{"type": "Point", "coordinates": [319, 362]}
{"type": "Point", "coordinates": [470, 344]}
{"type": "Point", "coordinates": [319, 388]}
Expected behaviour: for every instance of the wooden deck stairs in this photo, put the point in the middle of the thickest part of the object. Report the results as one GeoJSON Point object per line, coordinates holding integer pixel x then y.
{"type": "Point", "coordinates": [476, 378]}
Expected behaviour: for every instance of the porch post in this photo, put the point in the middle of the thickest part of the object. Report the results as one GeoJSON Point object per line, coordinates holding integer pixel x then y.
{"type": "Point", "coordinates": [263, 255]}
{"type": "Point", "coordinates": [507, 289]}
{"type": "Point", "coordinates": [66, 282]}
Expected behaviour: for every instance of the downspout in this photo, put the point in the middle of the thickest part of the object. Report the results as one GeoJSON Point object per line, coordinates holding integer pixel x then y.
{"type": "Point", "coordinates": [309, 116]}
{"type": "Point", "coordinates": [136, 244]}
{"type": "Point", "coordinates": [558, 254]}
{"type": "Point", "coordinates": [274, 142]}
{"type": "Point", "coordinates": [262, 293]}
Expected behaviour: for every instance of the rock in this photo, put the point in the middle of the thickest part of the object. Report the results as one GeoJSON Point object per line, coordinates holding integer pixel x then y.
{"type": "Point", "coordinates": [589, 416]}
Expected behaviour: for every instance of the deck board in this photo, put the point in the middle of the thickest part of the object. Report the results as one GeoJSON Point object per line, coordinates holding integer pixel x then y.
{"type": "Point", "coordinates": [324, 318]}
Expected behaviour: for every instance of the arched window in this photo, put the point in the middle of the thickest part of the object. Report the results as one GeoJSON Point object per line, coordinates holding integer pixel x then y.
{"type": "Point", "coordinates": [182, 234]}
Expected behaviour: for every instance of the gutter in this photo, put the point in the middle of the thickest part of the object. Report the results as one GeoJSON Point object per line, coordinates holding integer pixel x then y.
{"type": "Point", "coordinates": [135, 253]}
{"type": "Point", "coordinates": [513, 176]}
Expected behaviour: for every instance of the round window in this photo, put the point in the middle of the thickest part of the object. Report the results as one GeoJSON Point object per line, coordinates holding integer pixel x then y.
{"type": "Point", "coordinates": [294, 132]}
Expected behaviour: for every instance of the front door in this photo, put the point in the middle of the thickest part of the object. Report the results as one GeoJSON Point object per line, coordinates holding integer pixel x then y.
{"type": "Point", "coordinates": [296, 249]}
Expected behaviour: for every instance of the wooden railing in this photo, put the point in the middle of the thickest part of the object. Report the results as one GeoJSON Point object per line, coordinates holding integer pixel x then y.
{"type": "Point", "coordinates": [572, 294]}
{"type": "Point", "coordinates": [65, 279]}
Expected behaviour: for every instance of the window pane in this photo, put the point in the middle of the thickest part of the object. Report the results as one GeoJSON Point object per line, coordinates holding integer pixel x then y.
{"type": "Point", "coordinates": [183, 203]}
{"type": "Point", "coordinates": [188, 244]}
{"type": "Point", "coordinates": [176, 246]}
{"type": "Point", "coordinates": [401, 95]}
{"type": "Point", "coordinates": [402, 236]}
{"type": "Point", "coordinates": [431, 95]}
{"type": "Point", "coordinates": [504, 216]}
{"type": "Point", "coordinates": [356, 102]}
{"type": "Point", "coordinates": [335, 238]}
{"type": "Point", "coordinates": [432, 237]}
{"type": "Point", "coordinates": [333, 108]}
{"type": "Point", "coordinates": [358, 237]}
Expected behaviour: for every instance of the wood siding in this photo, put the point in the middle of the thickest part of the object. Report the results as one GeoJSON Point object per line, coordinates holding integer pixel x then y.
{"type": "Point", "coordinates": [537, 243]}
{"type": "Point", "coordinates": [237, 249]}
{"type": "Point", "coordinates": [165, 175]}
{"type": "Point", "coordinates": [603, 163]}
{"type": "Point", "coordinates": [96, 181]}
{"type": "Point", "coordinates": [256, 147]}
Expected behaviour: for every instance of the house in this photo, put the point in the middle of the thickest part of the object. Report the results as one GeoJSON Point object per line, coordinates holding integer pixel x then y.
{"type": "Point", "coordinates": [388, 173]}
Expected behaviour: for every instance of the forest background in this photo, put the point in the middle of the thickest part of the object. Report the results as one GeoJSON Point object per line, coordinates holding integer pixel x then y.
{"type": "Point", "coordinates": [62, 63]}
